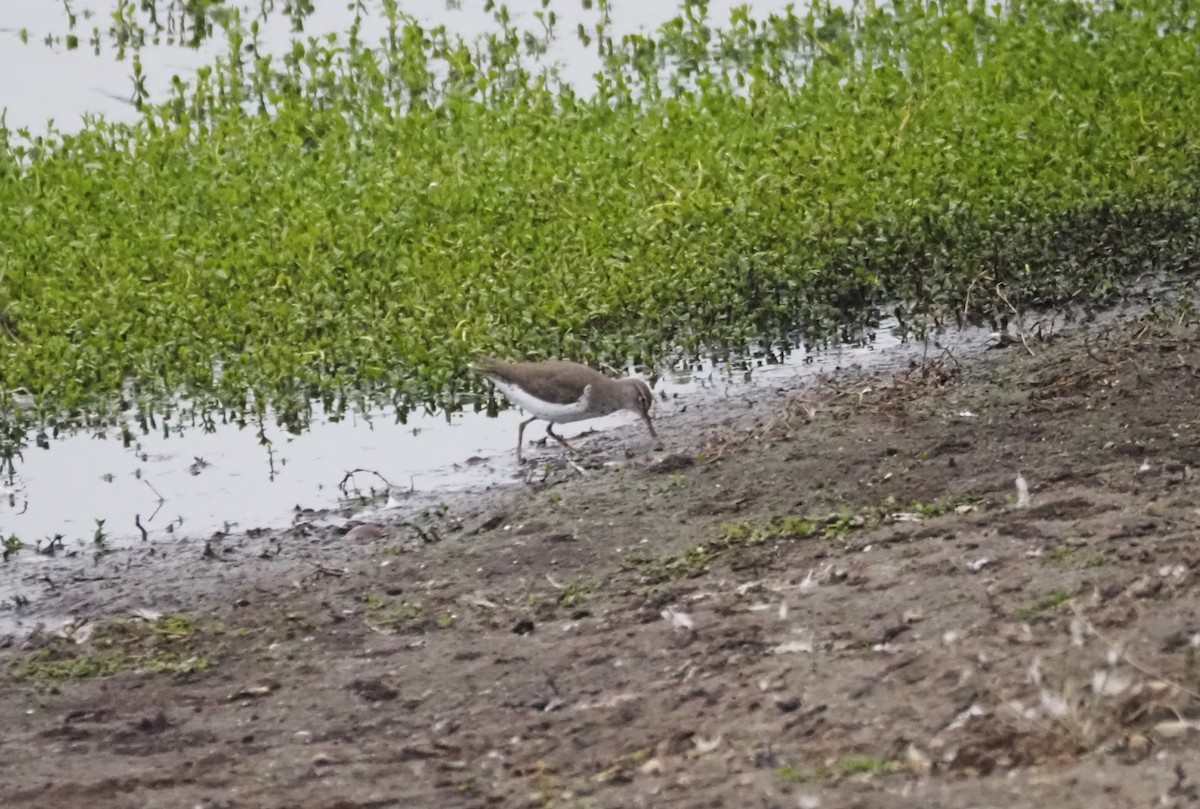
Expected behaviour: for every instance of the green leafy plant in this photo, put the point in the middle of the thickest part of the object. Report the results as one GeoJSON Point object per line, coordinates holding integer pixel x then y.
{"type": "Point", "coordinates": [1043, 605]}
{"type": "Point", "coordinates": [347, 223]}
{"type": "Point", "coordinates": [12, 545]}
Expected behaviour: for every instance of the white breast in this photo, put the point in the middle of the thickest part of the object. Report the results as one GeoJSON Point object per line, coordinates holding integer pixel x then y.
{"type": "Point", "coordinates": [557, 413]}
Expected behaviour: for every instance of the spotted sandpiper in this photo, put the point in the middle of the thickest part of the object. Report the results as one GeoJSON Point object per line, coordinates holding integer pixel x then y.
{"type": "Point", "coordinates": [23, 399]}
{"type": "Point", "coordinates": [560, 392]}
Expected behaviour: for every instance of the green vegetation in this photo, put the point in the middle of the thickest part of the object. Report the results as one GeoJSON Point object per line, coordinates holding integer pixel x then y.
{"type": "Point", "coordinates": [401, 615]}
{"type": "Point", "coordinates": [857, 765]}
{"type": "Point", "coordinates": [846, 768]}
{"type": "Point", "coordinates": [696, 560]}
{"type": "Point", "coordinates": [1044, 604]}
{"type": "Point", "coordinates": [1060, 554]}
{"type": "Point", "coordinates": [789, 774]}
{"type": "Point", "coordinates": [575, 594]}
{"type": "Point", "coordinates": [625, 764]}
{"type": "Point", "coordinates": [12, 544]}
{"type": "Point", "coordinates": [348, 222]}
{"type": "Point", "coordinates": [173, 644]}
{"type": "Point", "coordinates": [1069, 550]}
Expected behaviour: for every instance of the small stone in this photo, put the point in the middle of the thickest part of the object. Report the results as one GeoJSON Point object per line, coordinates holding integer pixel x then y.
{"type": "Point", "coordinates": [788, 704]}
{"type": "Point", "coordinates": [255, 691]}
{"type": "Point", "coordinates": [1174, 728]}
{"type": "Point", "coordinates": [365, 533]}
{"type": "Point", "coordinates": [672, 463]}
{"type": "Point", "coordinates": [1138, 746]}
{"type": "Point", "coordinates": [916, 760]}
{"type": "Point", "coordinates": [1145, 587]}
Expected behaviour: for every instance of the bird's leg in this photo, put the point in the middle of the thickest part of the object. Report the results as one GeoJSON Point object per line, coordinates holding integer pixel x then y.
{"type": "Point", "coordinates": [550, 432]}
{"type": "Point", "coordinates": [521, 436]}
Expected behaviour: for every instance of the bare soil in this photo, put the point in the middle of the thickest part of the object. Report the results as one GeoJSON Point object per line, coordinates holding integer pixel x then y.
{"type": "Point", "coordinates": [829, 597]}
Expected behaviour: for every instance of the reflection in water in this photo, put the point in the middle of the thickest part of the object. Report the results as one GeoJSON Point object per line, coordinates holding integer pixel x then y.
{"type": "Point", "coordinates": [198, 482]}
{"type": "Point", "coordinates": [62, 84]}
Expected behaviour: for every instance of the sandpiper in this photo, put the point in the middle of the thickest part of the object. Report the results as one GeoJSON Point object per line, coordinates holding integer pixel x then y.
{"type": "Point", "coordinates": [23, 399]}
{"type": "Point", "coordinates": [560, 392]}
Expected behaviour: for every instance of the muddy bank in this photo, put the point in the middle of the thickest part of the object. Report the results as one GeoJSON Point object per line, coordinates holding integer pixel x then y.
{"type": "Point", "coordinates": [68, 576]}
{"type": "Point", "coordinates": [826, 597]}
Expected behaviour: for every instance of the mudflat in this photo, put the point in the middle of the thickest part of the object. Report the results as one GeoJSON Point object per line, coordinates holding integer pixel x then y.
{"type": "Point", "coordinates": [831, 596]}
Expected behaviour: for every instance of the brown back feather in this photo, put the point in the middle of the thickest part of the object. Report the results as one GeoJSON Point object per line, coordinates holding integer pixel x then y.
{"type": "Point", "coordinates": [557, 381]}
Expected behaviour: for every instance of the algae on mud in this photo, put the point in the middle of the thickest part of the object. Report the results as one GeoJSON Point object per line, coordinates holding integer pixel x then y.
{"type": "Point", "coordinates": [350, 222]}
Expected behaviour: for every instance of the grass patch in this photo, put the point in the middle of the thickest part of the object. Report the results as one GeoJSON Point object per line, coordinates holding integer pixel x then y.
{"type": "Point", "coordinates": [401, 615]}
{"type": "Point", "coordinates": [845, 768]}
{"type": "Point", "coordinates": [859, 765]}
{"type": "Point", "coordinates": [625, 765]}
{"type": "Point", "coordinates": [173, 644]}
{"type": "Point", "coordinates": [1060, 554]}
{"type": "Point", "coordinates": [698, 559]}
{"type": "Point", "coordinates": [575, 594]}
{"type": "Point", "coordinates": [790, 775]}
{"type": "Point", "coordinates": [1044, 604]}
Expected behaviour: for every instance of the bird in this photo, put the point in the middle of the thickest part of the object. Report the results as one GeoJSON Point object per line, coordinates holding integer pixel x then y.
{"type": "Point", "coordinates": [560, 392]}
{"type": "Point", "coordinates": [23, 399]}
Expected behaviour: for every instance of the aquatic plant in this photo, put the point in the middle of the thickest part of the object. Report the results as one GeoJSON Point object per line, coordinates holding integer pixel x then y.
{"type": "Point", "coordinates": [348, 222]}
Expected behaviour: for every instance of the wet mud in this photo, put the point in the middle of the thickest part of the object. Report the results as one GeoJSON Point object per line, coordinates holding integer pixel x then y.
{"type": "Point", "coordinates": [963, 581]}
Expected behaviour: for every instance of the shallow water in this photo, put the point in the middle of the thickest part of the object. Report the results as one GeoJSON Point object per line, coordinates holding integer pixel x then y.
{"type": "Point", "coordinates": [40, 83]}
{"type": "Point", "coordinates": [80, 479]}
